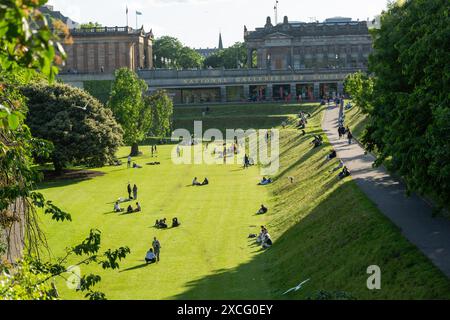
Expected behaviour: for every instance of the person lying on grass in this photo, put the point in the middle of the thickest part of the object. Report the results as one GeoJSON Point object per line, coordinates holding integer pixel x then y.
{"type": "Point", "coordinates": [262, 210]}
{"type": "Point", "coordinates": [150, 257]}
{"type": "Point", "coordinates": [265, 181]}
{"type": "Point", "coordinates": [117, 207]}
{"type": "Point", "coordinates": [136, 166]}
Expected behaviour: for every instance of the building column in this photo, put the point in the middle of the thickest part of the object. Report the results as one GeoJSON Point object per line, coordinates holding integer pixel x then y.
{"type": "Point", "coordinates": [294, 92]}
{"type": "Point", "coordinates": [316, 90]}
{"type": "Point", "coordinates": [269, 92]}
{"type": "Point", "coordinates": [246, 91]}
{"type": "Point", "coordinates": [223, 94]}
{"type": "Point", "coordinates": [249, 58]}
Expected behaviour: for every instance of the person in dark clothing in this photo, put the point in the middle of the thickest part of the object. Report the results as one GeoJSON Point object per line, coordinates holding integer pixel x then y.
{"type": "Point", "coordinates": [205, 182]}
{"type": "Point", "coordinates": [130, 209]}
{"type": "Point", "coordinates": [135, 192]}
{"type": "Point", "coordinates": [175, 223]}
{"type": "Point", "coordinates": [332, 155]}
{"type": "Point", "coordinates": [344, 173]}
{"type": "Point", "coordinates": [262, 210]}
{"type": "Point", "coordinates": [129, 191]}
{"type": "Point", "coordinates": [349, 136]}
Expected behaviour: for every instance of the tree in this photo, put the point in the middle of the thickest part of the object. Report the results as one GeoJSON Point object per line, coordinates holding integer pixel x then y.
{"type": "Point", "coordinates": [127, 104]}
{"type": "Point", "coordinates": [162, 112]}
{"type": "Point", "coordinates": [360, 86]}
{"type": "Point", "coordinates": [233, 57]}
{"type": "Point", "coordinates": [90, 25]}
{"type": "Point", "coordinates": [81, 129]}
{"type": "Point", "coordinates": [169, 48]}
{"type": "Point", "coordinates": [409, 121]}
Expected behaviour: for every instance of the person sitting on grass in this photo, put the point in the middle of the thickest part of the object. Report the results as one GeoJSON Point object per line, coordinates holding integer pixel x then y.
{"type": "Point", "coordinates": [344, 173]}
{"type": "Point", "coordinates": [205, 182]}
{"type": "Point", "coordinates": [117, 207]}
{"type": "Point", "coordinates": [331, 155]}
{"type": "Point", "coordinates": [150, 257]}
{"type": "Point", "coordinates": [161, 224]}
{"type": "Point", "coordinates": [138, 207]}
{"type": "Point", "coordinates": [175, 223]}
{"type": "Point", "coordinates": [262, 210]}
{"type": "Point", "coordinates": [130, 209]}
{"type": "Point", "coordinates": [267, 241]}
{"type": "Point", "coordinates": [195, 182]}
{"type": "Point", "coordinates": [261, 235]}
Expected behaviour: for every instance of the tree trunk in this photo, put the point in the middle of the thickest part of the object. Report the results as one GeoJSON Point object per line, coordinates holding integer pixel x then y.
{"type": "Point", "coordinates": [134, 150]}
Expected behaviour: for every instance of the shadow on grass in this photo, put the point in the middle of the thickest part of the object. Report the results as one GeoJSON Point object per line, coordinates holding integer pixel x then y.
{"type": "Point", "coordinates": [140, 266]}
{"type": "Point", "coordinates": [332, 245]}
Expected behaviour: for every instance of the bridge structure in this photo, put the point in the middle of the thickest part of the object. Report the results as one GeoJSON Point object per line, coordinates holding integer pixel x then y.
{"type": "Point", "coordinates": [233, 85]}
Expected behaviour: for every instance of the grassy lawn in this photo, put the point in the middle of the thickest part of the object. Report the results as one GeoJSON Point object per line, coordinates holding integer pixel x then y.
{"type": "Point", "coordinates": [356, 120]}
{"type": "Point", "coordinates": [324, 230]}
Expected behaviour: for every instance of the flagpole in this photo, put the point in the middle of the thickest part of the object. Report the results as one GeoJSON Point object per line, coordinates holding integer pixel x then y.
{"type": "Point", "coordinates": [127, 16]}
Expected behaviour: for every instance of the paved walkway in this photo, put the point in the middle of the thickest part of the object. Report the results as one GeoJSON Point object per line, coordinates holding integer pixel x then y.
{"type": "Point", "coordinates": [411, 214]}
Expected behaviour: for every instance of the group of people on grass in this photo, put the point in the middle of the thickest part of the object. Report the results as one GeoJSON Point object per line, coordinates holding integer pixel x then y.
{"type": "Point", "coordinates": [152, 255]}
{"type": "Point", "coordinates": [264, 238]}
{"type": "Point", "coordinates": [162, 224]}
{"type": "Point", "coordinates": [195, 182]}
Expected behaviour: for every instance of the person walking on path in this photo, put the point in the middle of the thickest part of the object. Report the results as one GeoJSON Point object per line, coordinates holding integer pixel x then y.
{"type": "Point", "coordinates": [135, 192]}
{"type": "Point", "coordinates": [156, 247]}
{"type": "Point", "coordinates": [349, 136]}
{"type": "Point", "coordinates": [129, 190]}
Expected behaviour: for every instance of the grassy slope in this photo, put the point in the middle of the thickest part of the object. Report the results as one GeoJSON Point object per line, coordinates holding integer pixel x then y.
{"type": "Point", "coordinates": [325, 230]}
{"type": "Point", "coordinates": [356, 120]}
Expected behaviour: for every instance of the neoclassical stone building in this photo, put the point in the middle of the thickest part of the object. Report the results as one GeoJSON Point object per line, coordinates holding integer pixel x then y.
{"type": "Point", "coordinates": [105, 49]}
{"type": "Point", "coordinates": [334, 43]}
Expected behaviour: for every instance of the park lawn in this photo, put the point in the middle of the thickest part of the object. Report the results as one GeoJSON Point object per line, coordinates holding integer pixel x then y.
{"type": "Point", "coordinates": [324, 230]}
{"type": "Point", "coordinates": [356, 120]}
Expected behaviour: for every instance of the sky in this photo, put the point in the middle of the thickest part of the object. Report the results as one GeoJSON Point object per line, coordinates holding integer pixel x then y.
{"type": "Point", "coordinates": [197, 23]}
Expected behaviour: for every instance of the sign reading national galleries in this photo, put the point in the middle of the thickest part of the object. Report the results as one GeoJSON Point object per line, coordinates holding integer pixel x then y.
{"type": "Point", "coordinates": [266, 79]}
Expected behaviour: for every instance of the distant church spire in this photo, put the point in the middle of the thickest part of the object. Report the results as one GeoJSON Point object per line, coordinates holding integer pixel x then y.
{"type": "Point", "coordinates": [220, 41]}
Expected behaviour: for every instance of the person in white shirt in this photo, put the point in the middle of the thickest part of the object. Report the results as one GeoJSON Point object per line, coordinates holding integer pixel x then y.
{"type": "Point", "coordinates": [117, 207]}
{"type": "Point", "coordinates": [129, 162]}
{"type": "Point", "coordinates": [150, 257]}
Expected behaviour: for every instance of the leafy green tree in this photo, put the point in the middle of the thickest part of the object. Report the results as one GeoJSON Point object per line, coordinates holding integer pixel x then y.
{"type": "Point", "coordinates": [169, 48]}
{"type": "Point", "coordinates": [127, 104]}
{"type": "Point", "coordinates": [90, 25]}
{"type": "Point", "coordinates": [409, 121]}
{"type": "Point", "coordinates": [230, 58]}
{"type": "Point", "coordinates": [162, 113]}
{"type": "Point", "coordinates": [360, 86]}
{"type": "Point", "coordinates": [81, 129]}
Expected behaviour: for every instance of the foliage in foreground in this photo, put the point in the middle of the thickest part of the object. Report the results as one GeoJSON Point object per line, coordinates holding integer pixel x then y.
{"type": "Point", "coordinates": [27, 46]}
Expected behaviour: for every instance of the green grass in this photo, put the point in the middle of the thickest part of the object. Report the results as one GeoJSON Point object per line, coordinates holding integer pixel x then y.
{"type": "Point", "coordinates": [356, 120]}
{"type": "Point", "coordinates": [324, 230]}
